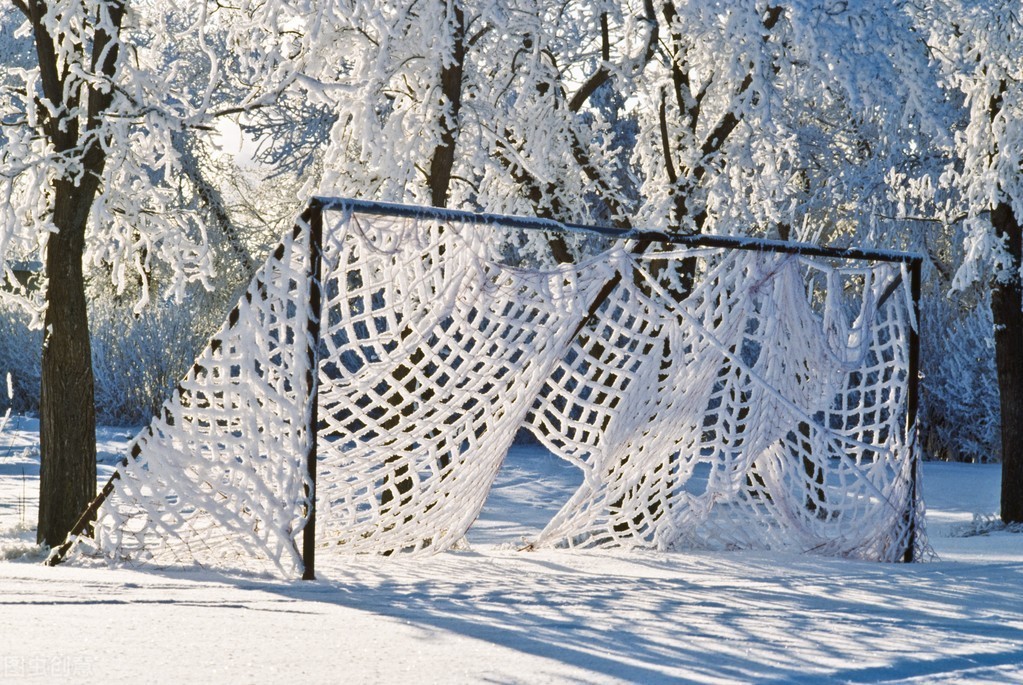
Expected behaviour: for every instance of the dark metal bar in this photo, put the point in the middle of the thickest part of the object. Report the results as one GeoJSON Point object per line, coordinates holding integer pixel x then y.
{"type": "Point", "coordinates": [694, 240]}
{"type": "Point", "coordinates": [912, 407]}
{"type": "Point", "coordinates": [315, 217]}
{"type": "Point", "coordinates": [83, 526]}
{"type": "Point", "coordinates": [892, 288]}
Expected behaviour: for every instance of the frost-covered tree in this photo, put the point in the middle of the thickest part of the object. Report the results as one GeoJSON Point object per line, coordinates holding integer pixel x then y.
{"type": "Point", "coordinates": [496, 104]}
{"type": "Point", "coordinates": [520, 105]}
{"type": "Point", "coordinates": [54, 164]}
{"type": "Point", "coordinates": [751, 112]}
{"type": "Point", "coordinates": [396, 135]}
{"type": "Point", "coordinates": [95, 110]}
{"type": "Point", "coordinates": [980, 45]}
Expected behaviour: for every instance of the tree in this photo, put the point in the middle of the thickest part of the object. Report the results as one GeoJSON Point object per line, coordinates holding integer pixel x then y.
{"type": "Point", "coordinates": [980, 45]}
{"type": "Point", "coordinates": [90, 149]}
{"type": "Point", "coordinates": [69, 111]}
{"type": "Point", "coordinates": [756, 117]}
{"type": "Point", "coordinates": [471, 104]}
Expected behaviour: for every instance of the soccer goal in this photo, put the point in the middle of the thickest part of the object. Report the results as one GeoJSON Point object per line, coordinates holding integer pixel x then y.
{"type": "Point", "coordinates": [715, 392]}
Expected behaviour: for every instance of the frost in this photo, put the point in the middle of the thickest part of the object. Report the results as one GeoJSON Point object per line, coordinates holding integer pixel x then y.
{"type": "Point", "coordinates": [980, 50]}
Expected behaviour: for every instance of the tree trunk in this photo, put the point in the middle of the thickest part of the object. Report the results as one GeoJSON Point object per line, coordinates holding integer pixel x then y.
{"type": "Point", "coordinates": [67, 411]}
{"type": "Point", "coordinates": [67, 426]}
{"type": "Point", "coordinates": [1007, 310]}
{"type": "Point", "coordinates": [443, 162]}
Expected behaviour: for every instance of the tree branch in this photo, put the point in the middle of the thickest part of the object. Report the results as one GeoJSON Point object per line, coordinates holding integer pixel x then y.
{"type": "Point", "coordinates": [443, 159]}
{"type": "Point", "coordinates": [601, 75]}
{"type": "Point", "coordinates": [53, 89]}
{"type": "Point", "coordinates": [715, 140]}
{"type": "Point", "coordinates": [680, 80]}
{"type": "Point", "coordinates": [209, 195]}
{"type": "Point", "coordinates": [662, 116]}
{"type": "Point", "coordinates": [104, 59]}
{"type": "Point", "coordinates": [730, 120]}
{"type": "Point", "coordinates": [534, 192]}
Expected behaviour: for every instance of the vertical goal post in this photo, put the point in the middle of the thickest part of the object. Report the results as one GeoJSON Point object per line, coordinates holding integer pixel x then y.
{"type": "Point", "coordinates": [406, 484]}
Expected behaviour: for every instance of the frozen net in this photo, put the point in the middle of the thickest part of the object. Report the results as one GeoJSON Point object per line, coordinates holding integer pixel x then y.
{"type": "Point", "coordinates": [713, 398]}
{"type": "Point", "coordinates": [738, 400]}
{"type": "Point", "coordinates": [434, 350]}
{"type": "Point", "coordinates": [218, 478]}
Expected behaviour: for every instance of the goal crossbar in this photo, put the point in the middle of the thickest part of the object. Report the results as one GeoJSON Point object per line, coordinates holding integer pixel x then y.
{"type": "Point", "coordinates": [371, 207]}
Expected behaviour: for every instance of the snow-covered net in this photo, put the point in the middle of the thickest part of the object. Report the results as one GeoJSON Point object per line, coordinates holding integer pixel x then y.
{"type": "Point", "coordinates": [714, 398]}
{"type": "Point", "coordinates": [765, 409]}
{"type": "Point", "coordinates": [219, 477]}
{"type": "Point", "coordinates": [434, 350]}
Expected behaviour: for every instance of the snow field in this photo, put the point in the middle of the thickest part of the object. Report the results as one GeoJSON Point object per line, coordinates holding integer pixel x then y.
{"type": "Point", "coordinates": [496, 614]}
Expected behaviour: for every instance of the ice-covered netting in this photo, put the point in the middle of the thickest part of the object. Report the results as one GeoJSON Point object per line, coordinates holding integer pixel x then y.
{"type": "Point", "coordinates": [219, 477]}
{"type": "Point", "coordinates": [763, 406]}
{"type": "Point", "coordinates": [712, 397]}
{"type": "Point", "coordinates": [434, 350]}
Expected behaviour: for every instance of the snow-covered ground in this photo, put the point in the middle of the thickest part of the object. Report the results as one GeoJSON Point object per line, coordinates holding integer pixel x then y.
{"type": "Point", "coordinates": [498, 615]}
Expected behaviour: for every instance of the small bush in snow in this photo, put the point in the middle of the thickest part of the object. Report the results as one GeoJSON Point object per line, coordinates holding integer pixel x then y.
{"type": "Point", "coordinates": [983, 524]}
{"type": "Point", "coordinates": [138, 358]}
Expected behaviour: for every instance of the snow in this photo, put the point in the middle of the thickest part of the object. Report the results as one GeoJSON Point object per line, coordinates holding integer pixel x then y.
{"type": "Point", "coordinates": [496, 614]}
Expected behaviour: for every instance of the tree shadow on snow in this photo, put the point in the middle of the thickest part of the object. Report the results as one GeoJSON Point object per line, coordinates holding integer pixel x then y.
{"type": "Point", "coordinates": [661, 618]}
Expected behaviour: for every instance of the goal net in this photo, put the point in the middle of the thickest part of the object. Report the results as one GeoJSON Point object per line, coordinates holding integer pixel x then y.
{"type": "Point", "coordinates": [715, 393]}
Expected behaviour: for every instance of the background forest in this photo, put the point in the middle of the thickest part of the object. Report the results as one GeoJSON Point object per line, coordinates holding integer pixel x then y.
{"type": "Point", "coordinates": [859, 122]}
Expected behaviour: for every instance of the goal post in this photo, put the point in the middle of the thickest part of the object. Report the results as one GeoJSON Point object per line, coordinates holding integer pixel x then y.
{"type": "Point", "coordinates": [364, 392]}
